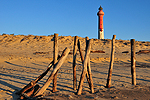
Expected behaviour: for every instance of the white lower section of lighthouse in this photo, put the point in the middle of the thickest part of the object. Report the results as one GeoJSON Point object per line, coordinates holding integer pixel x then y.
{"type": "Point", "coordinates": [100, 34]}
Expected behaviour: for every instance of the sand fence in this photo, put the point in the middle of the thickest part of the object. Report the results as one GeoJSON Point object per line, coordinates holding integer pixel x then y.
{"type": "Point", "coordinates": [33, 90]}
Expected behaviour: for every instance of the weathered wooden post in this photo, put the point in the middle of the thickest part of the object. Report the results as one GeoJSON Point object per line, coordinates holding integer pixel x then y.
{"type": "Point", "coordinates": [57, 66]}
{"type": "Point", "coordinates": [55, 54]}
{"type": "Point", "coordinates": [84, 71]}
{"type": "Point", "coordinates": [90, 75]}
{"type": "Point", "coordinates": [74, 63]}
{"type": "Point", "coordinates": [33, 82]}
{"type": "Point", "coordinates": [133, 62]}
{"type": "Point", "coordinates": [80, 51]}
{"type": "Point", "coordinates": [111, 63]}
{"type": "Point", "coordinates": [86, 39]}
{"type": "Point", "coordinates": [87, 74]}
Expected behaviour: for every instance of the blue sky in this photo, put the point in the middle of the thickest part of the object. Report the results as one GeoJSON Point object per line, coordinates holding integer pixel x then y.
{"type": "Point", "coordinates": [125, 18]}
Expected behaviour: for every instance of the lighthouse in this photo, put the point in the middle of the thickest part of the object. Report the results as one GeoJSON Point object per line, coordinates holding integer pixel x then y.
{"type": "Point", "coordinates": [100, 23]}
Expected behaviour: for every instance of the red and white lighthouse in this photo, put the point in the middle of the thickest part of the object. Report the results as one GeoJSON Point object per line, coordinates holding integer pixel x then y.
{"type": "Point", "coordinates": [100, 23]}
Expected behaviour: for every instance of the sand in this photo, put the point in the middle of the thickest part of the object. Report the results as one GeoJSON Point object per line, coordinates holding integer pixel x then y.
{"type": "Point", "coordinates": [20, 63]}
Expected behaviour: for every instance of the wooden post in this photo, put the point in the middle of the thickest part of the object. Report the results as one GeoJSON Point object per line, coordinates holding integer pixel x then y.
{"type": "Point", "coordinates": [111, 63]}
{"type": "Point", "coordinates": [87, 74]}
{"type": "Point", "coordinates": [84, 71]}
{"type": "Point", "coordinates": [30, 93]}
{"type": "Point", "coordinates": [74, 63]}
{"type": "Point", "coordinates": [33, 83]}
{"type": "Point", "coordinates": [82, 59]}
{"type": "Point", "coordinates": [133, 62]}
{"type": "Point", "coordinates": [55, 54]}
{"type": "Point", "coordinates": [57, 66]}
{"type": "Point", "coordinates": [86, 40]}
{"type": "Point", "coordinates": [80, 51]}
{"type": "Point", "coordinates": [90, 76]}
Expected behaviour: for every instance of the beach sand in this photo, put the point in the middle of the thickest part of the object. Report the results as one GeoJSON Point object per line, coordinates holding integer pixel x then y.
{"type": "Point", "coordinates": [20, 63]}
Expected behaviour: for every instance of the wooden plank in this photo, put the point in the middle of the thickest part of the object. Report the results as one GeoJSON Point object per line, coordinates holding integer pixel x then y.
{"type": "Point", "coordinates": [84, 71]}
{"type": "Point", "coordinates": [55, 54]}
{"type": "Point", "coordinates": [111, 63]}
{"type": "Point", "coordinates": [57, 66]}
{"type": "Point", "coordinates": [74, 63]}
{"type": "Point", "coordinates": [133, 62]}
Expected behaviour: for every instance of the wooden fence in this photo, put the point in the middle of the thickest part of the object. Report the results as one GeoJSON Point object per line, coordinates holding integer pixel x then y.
{"type": "Point", "coordinates": [33, 90]}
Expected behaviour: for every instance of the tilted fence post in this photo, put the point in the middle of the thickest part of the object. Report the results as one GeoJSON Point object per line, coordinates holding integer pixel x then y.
{"type": "Point", "coordinates": [111, 63]}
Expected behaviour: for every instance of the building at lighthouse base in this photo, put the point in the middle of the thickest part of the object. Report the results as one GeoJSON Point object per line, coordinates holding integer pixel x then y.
{"type": "Point", "coordinates": [100, 34]}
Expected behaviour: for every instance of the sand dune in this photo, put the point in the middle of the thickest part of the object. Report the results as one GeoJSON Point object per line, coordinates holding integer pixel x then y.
{"type": "Point", "coordinates": [19, 64]}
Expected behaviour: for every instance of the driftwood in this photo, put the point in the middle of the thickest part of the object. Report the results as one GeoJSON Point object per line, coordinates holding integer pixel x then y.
{"type": "Point", "coordinates": [57, 66]}
{"type": "Point", "coordinates": [55, 54]}
{"type": "Point", "coordinates": [143, 52]}
{"type": "Point", "coordinates": [97, 51]}
{"type": "Point", "coordinates": [37, 53]}
{"type": "Point", "coordinates": [92, 51]}
{"type": "Point", "coordinates": [133, 62]}
{"type": "Point", "coordinates": [33, 83]}
{"type": "Point", "coordinates": [111, 62]}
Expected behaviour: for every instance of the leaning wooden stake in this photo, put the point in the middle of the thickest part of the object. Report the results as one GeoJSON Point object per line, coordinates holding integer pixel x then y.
{"type": "Point", "coordinates": [30, 93]}
{"type": "Point", "coordinates": [84, 71]}
{"type": "Point", "coordinates": [33, 83]}
{"type": "Point", "coordinates": [55, 54]}
{"type": "Point", "coordinates": [133, 62]}
{"type": "Point", "coordinates": [57, 66]}
{"type": "Point", "coordinates": [87, 74]}
{"type": "Point", "coordinates": [111, 63]}
{"type": "Point", "coordinates": [80, 51]}
{"type": "Point", "coordinates": [74, 63]}
{"type": "Point", "coordinates": [82, 59]}
{"type": "Point", "coordinates": [90, 76]}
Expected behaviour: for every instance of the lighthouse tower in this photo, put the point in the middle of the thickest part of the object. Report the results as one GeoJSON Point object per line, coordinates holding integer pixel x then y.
{"type": "Point", "coordinates": [100, 23]}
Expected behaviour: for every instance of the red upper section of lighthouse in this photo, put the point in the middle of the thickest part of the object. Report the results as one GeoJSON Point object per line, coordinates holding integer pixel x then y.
{"type": "Point", "coordinates": [100, 14]}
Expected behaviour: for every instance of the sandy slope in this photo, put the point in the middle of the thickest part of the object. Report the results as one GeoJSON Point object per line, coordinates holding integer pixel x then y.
{"type": "Point", "coordinates": [19, 65]}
